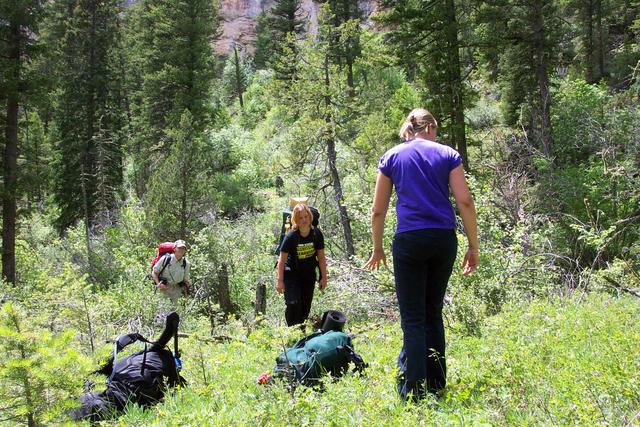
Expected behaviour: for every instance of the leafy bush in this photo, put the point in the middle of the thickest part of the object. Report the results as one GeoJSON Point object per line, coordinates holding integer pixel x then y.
{"type": "Point", "coordinates": [579, 120]}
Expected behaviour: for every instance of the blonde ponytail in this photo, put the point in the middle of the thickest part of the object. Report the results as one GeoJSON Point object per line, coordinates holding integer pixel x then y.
{"type": "Point", "coordinates": [416, 121]}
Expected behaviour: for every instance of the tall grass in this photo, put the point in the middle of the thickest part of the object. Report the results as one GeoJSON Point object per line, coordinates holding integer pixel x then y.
{"type": "Point", "coordinates": [547, 363]}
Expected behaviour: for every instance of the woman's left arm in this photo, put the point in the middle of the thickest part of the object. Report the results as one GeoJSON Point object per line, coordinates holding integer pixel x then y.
{"type": "Point", "coordinates": [322, 262]}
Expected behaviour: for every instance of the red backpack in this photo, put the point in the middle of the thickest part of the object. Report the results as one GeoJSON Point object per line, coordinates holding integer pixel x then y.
{"type": "Point", "coordinates": [163, 249]}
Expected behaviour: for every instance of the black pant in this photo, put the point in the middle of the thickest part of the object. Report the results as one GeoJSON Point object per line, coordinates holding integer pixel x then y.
{"type": "Point", "coordinates": [422, 263]}
{"type": "Point", "coordinates": [298, 294]}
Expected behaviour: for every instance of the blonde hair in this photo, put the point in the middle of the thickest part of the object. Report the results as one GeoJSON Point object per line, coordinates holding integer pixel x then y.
{"type": "Point", "coordinates": [416, 121]}
{"type": "Point", "coordinates": [295, 215]}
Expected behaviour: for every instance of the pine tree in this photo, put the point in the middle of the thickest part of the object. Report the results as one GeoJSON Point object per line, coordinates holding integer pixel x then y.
{"type": "Point", "coordinates": [323, 107]}
{"type": "Point", "coordinates": [19, 21]}
{"type": "Point", "coordinates": [179, 188]}
{"type": "Point", "coordinates": [526, 35]}
{"type": "Point", "coordinates": [263, 42]}
{"type": "Point", "coordinates": [171, 69]}
{"type": "Point", "coordinates": [40, 372]}
{"type": "Point", "coordinates": [36, 154]}
{"type": "Point", "coordinates": [591, 34]}
{"type": "Point", "coordinates": [426, 39]}
{"type": "Point", "coordinates": [346, 16]}
{"type": "Point", "coordinates": [90, 116]}
{"type": "Point", "coordinates": [236, 76]}
{"type": "Point", "coordinates": [623, 29]}
{"type": "Point", "coordinates": [279, 30]}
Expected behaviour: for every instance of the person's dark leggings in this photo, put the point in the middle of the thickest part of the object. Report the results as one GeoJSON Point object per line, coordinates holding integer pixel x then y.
{"type": "Point", "coordinates": [298, 295]}
{"type": "Point", "coordinates": [422, 263]}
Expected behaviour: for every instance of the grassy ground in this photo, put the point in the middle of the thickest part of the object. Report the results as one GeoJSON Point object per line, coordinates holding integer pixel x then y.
{"type": "Point", "coordinates": [559, 363]}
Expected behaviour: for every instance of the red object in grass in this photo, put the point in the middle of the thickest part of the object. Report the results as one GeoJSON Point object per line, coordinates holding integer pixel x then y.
{"type": "Point", "coordinates": [264, 378]}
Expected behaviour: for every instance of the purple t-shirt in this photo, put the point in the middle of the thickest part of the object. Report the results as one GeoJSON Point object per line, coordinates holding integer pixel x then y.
{"type": "Point", "coordinates": [419, 169]}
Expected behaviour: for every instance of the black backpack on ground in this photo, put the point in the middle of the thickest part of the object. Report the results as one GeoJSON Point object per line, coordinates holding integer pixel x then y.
{"type": "Point", "coordinates": [138, 378]}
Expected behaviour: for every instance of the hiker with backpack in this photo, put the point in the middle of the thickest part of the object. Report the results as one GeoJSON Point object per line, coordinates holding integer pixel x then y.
{"type": "Point", "coordinates": [170, 270]}
{"type": "Point", "coordinates": [301, 252]}
{"type": "Point", "coordinates": [424, 245]}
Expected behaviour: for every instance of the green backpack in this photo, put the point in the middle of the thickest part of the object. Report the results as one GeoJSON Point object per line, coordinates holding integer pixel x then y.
{"type": "Point", "coordinates": [318, 354]}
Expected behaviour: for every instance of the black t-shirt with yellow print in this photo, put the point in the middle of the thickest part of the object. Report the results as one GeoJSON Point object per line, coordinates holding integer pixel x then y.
{"type": "Point", "coordinates": [305, 248]}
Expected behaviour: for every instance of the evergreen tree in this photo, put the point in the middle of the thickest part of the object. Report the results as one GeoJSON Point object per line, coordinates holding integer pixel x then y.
{"type": "Point", "coordinates": [426, 39]}
{"type": "Point", "coordinates": [278, 33]}
{"type": "Point", "coordinates": [89, 116]}
{"type": "Point", "coordinates": [236, 76]}
{"type": "Point", "coordinates": [591, 34]}
{"type": "Point", "coordinates": [263, 42]}
{"type": "Point", "coordinates": [171, 69]}
{"type": "Point", "coordinates": [526, 35]}
{"type": "Point", "coordinates": [19, 21]}
{"type": "Point", "coordinates": [35, 176]}
{"type": "Point", "coordinates": [623, 31]}
{"type": "Point", "coordinates": [178, 189]}
{"type": "Point", "coordinates": [35, 389]}
{"type": "Point", "coordinates": [323, 106]}
{"type": "Point", "coordinates": [345, 14]}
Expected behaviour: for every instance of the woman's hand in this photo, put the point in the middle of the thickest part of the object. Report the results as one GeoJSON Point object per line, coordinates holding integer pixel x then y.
{"type": "Point", "coordinates": [377, 256]}
{"type": "Point", "coordinates": [323, 283]}
{"type": "Point", "coordinates": [280, 286]}
{"type": "Point", "coordinates": [470, 262]}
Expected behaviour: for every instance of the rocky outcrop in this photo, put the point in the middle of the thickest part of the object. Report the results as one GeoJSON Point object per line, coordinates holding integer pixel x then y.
{"type": "Point", "coordinates": [238, 20]}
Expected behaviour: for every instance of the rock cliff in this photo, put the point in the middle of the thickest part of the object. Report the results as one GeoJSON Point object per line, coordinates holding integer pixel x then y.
{"type": "Point", "coordinates": [238, 20]}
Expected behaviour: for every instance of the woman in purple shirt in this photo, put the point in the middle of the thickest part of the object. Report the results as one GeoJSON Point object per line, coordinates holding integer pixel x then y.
{"type": "Point", "coordinates": [424, 246]}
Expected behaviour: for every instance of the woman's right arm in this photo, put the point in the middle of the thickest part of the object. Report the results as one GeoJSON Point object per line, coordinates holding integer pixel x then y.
{"type": "Point", "coordinates": [467, 209]}
{"type": "Point", "coordinates": [281, 262]}
{"type": "Point", "coordinates": [381, 198]}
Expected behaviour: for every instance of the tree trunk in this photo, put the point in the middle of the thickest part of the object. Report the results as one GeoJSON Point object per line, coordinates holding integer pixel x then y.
{"type": "Point", "coordinates": [589, 45]}
{"type": "Point", "coordinates": [335, 177]}
{"type": "Point", "coordinates": [458, 128]}
{"type": "Point", "coordinates": [349, 46]}
{"type": "Point", "coordinates": [123, 78]}
{"type": "Point", "coordinates": [261, 299]}
{"type": "Point", "coordinates": [352, 89]}
{"type": "Point", "coordinates": [184, 212]}
{"type": "Point", "coordinates": [238, 77]}
{"type": "Point", "coordinates": [600, 49]}
{"type": "Point", "coordinates": [337, 190]}
{"type": "Point", "coordinates": [87, 164]}
{"type": "Point", "coordinates": [224, 296]}
{"type": "Point", "coordinates": [26, 384]}
{"type": "Point", "coordinates": [89, 322]}
{"type": "Point", "coordinates": [9, 210]}
{"type": "Point", "coordinates": [544, 135]}
{"type": "Point", "coordinates": [87, 223]}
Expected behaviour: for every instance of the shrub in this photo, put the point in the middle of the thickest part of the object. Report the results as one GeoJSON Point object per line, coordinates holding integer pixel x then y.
{"type": "Point", "coordinates": [40, 372]}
